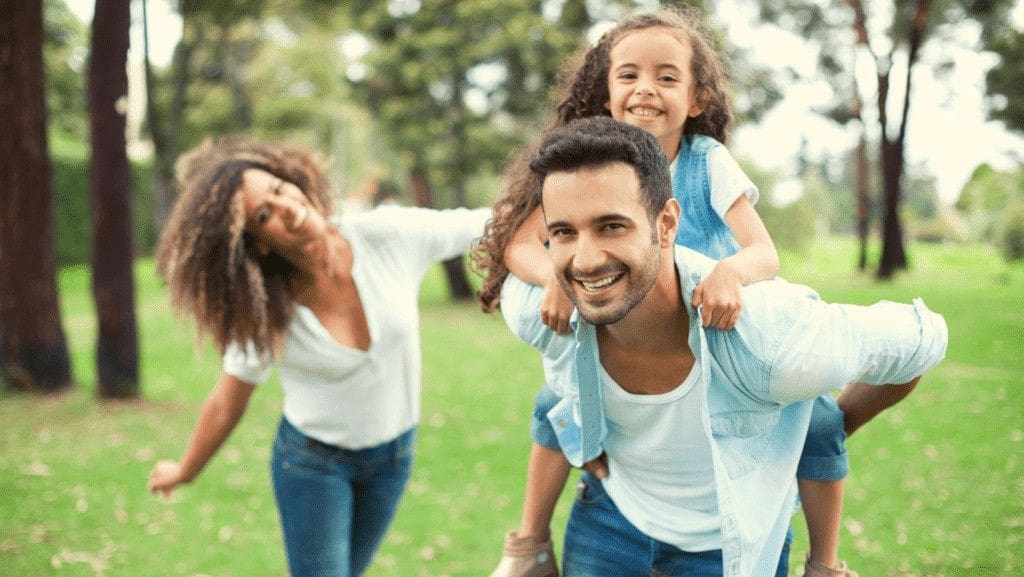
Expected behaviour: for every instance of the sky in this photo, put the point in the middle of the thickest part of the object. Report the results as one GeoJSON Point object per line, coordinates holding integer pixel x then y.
{"type": "Point", "coordinates": [947, 132]}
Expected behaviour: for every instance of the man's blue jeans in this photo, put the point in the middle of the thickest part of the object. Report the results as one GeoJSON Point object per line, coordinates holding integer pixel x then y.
{"type": "Point", "coordinates": [336, 504]}
{"type": "Point", "coordinates": [599, 542]}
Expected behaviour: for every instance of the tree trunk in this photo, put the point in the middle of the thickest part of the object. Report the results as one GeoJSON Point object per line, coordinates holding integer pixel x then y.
{"type": "Point", "coordinates": [458, 283]}
{"type": "Point", "coordinates": [33, 351]}
{"type": "Point", "coordinates": [894, 256]}
{"type": "Point", "coordinates": [117, 359]}
{"type": "Point", "coordinates": [862, 191]}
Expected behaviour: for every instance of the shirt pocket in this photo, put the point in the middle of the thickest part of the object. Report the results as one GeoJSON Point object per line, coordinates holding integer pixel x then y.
{"type": "Point", "coordinates": [743, 438]}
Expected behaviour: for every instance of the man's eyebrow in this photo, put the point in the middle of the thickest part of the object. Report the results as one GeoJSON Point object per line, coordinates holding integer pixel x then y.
{"type": "Point", "coordinates": [602, 219]}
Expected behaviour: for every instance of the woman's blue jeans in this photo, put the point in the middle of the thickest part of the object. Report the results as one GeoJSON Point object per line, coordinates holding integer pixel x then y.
{"type": "Point", "coordinates": [336, 504]}
{"type": "Point", "coordinates": [599, 542]}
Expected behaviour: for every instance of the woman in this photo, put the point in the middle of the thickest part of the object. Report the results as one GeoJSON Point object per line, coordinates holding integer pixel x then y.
{"type": "Point", "coordinates": [250, 253]}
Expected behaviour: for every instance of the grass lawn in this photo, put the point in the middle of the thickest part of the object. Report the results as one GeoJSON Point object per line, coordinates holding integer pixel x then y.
{"type": "Point", "coordinates": [937, 483]}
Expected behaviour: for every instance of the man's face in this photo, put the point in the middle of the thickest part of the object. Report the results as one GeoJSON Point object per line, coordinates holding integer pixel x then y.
{"type": "Point", "coordinates": [603, 246]}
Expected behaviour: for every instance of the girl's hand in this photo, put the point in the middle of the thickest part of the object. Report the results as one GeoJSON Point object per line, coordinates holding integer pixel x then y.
{"type": "Point", "coordinates": [721, 297]}
{"type": "Point", "coordinates": [555, 308]}
{"type": "Point", "coordinates": [166, 475]}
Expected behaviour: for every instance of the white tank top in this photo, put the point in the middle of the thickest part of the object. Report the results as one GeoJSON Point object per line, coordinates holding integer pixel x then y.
{"type": "Point", "coordinates": [660, 471]}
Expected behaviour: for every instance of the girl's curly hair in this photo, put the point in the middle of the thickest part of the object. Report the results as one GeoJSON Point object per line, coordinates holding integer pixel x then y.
{"type": "Point", "coordinates": [210, 264]}
{"type": "Point", "coordinates": [584, 87]}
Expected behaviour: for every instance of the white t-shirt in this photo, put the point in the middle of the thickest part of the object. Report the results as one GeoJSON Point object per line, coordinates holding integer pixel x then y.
{"type": "Point", "coordinates": [728, 181]}
{"type": "Point", "coordinates": [660, 470]}
{"type": "Point", "coordinates": [344, 396]}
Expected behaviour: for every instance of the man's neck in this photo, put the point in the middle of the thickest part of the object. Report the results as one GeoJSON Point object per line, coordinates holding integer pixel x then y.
{"type": "Point", "coordinates": [648, 351]}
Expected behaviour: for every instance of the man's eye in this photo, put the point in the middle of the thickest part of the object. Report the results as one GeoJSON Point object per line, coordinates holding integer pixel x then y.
{"type": "Point", "coordinates": [560, 232]}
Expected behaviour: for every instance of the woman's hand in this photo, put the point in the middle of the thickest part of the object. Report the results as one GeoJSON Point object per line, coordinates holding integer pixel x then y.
{"type": "Point", "coordinates": [165, 476]}
{"type": "Point", "coordinates": [720, 296]}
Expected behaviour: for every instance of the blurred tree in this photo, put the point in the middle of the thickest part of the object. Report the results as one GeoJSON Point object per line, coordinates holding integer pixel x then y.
{"type": "Point", "coordinates": [113, 287]}
{"type": "Point", "coordinates": [33, 351]}
{"type": "Point", "coordinates": [986, 195]}
{"type": "Point", "coordinates": [892, 33]}
{"type": "Point", "coordinates": [206, 90]}
{"type": "Point", "coordinates": [454, 85]}
{"type": "Point", "coordinates": [64, 54]}
{"type": "Point", "coordinates": [1003, 81]}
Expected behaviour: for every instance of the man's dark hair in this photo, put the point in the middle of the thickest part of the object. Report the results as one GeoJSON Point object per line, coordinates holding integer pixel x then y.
{"type": "Point", "coordinates": [597, 141]}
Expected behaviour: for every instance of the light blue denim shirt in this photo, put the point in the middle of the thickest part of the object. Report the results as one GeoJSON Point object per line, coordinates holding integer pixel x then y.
{"type": "Point", "coordinates": [759, 381]}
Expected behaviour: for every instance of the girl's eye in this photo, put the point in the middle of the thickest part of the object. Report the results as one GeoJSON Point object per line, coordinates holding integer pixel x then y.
{"type": "Point", "coordinates": [668, 79]}
{"type": "Point", "coordinates": [263, 215]}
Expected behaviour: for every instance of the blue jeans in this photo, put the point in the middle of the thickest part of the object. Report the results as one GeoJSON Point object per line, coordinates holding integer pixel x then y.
{"type": "Point", "coordinates": [824, 457]}
{"type": "Point", "coordinates": [599, 542]}
{"type": "Point", "coordinates": [336, 504]}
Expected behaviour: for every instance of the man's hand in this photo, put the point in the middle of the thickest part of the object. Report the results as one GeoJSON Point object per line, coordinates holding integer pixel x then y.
{"type": "Point", "coordinates": [721, 296]}
{"type": "Point", "coordinates": [598, 467]}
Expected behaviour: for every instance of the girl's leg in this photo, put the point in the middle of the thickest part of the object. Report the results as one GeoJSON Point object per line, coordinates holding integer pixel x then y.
{"type": "Point", "coordinates": [528, 552]}
{"type": "Point", "coordinates": [545, 478]}
{"type": "Point", "coordinates": [376, 494]}
{"type": "Point", "coordinates": [820, 476]}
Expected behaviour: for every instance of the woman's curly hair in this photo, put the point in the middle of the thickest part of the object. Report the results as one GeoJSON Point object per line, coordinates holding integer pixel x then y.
{"type": "Point", "coordinates": [210, 264]}
{"type": "Point", "coordinates": [584, 87]}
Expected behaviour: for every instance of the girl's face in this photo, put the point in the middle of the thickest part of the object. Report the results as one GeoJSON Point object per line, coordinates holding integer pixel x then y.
{"type": "Point", "coordinates": [278, 215]}
{"type": "Point", "coordinates": [650, 84]}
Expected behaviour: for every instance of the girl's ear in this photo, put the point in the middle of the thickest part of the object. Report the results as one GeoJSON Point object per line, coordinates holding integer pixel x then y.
{"type": "Point", "coordinates": [697, 103]}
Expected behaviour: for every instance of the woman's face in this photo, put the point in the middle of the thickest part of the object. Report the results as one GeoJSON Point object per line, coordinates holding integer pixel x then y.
{"type": "Point", "coordinates": [278, 215]}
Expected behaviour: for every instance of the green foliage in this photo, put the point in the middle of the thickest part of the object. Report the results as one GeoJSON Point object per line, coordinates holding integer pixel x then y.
{"type": "Point", "coordinates": [987, 193]}
{"type": "Point", "coordinates": [492, 65]}
{"type": "Point", "coordinates": [792, 226]}
{"type": "Point", "coordinates": [65, 41]}
{"type": "Point", "coordinates": [73, 224]}
{"type": "Point", "coordinates": [936, 488]}
{"type": "Point", "coordinates": [1011, 233]}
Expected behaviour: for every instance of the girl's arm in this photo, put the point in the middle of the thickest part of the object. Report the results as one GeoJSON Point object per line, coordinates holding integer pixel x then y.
{"type": "Point", "coordinates": [527, 259]}
{"type": "Point", "coordinates": [756, 260]}
{"type": "Point", "coordinates": [221, 411]}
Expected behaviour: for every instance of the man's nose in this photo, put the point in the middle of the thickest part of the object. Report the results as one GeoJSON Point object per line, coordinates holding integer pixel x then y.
{"type": "Point", "coordinates": [589, 255]}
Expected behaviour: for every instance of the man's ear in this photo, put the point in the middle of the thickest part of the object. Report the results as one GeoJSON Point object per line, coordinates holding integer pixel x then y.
{"type": "Point", "coordinates": [668, 222]}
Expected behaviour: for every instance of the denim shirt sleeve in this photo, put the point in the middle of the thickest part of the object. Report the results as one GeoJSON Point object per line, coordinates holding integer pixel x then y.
{"type": "Point", "coordinates": [520, 305]}
{"type": "Point", "coordinates": [808, 347]}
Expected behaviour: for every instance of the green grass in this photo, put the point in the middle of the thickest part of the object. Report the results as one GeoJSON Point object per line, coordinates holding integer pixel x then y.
{"type": "Point", "coordinates": [937, 486]}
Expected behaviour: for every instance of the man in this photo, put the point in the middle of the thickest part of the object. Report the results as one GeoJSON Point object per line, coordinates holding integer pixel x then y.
{"type": "Point", "coordinates": [691, 435]}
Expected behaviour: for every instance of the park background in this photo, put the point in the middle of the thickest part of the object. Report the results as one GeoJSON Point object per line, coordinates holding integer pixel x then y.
{"type": "Point", "coordinates": [423, 102]}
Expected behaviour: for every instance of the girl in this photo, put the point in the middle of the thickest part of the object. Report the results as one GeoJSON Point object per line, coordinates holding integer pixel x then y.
{"type": "Point", "coordinates": [658, 71]}
{"type": "Point", "coordinates": [250, 253]}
